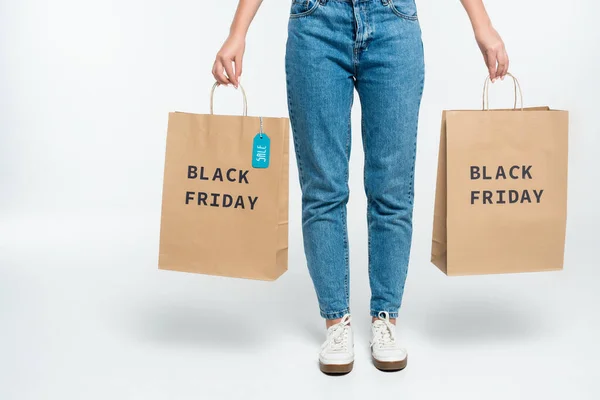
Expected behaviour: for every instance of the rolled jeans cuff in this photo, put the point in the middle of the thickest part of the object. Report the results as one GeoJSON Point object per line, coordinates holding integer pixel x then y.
{"type": "Point", "coordinates": [335, 314]}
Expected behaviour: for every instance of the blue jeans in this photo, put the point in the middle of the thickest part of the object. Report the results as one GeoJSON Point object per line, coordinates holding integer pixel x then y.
{"type": "Point", "coordinates": [333, 47]}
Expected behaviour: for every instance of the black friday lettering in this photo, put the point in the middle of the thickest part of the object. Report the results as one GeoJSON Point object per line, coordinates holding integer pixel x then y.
{"type": "Point", "coordinates": [224, 200]}
{"type": "Point", "coordinates": [504, 196]}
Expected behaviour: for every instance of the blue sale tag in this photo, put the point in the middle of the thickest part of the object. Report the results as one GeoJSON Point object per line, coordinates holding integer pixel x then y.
{"type": "Point", "coordinates": [261, 151]}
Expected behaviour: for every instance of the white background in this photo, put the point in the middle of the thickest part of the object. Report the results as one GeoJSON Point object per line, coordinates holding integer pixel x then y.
{"type": "Point", "coordinates": [85, 88]}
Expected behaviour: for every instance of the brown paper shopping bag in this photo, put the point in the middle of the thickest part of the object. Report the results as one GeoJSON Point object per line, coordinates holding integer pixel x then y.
{"type": "Point", "coordinates": [501, 196]}
{"type": "Point", "coordinates": [225, 195]}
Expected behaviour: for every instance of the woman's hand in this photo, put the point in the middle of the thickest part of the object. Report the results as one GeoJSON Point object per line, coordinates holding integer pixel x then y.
{"type": "Point", "coordinates": [490, 43]}
{"type": "Point", "coordinates": [494, 52]}
{"type": "Point", "coordinates": [228, 63]}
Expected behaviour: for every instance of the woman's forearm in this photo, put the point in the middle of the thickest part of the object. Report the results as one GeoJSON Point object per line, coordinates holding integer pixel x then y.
{"type": "Point", "coordinates": [477, 14]}
{"type": "Point", "coordinates": [246, 10]}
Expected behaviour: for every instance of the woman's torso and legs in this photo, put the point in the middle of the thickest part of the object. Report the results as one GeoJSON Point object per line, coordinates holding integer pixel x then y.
{"type": "Point", "coordinates": [375, 47]}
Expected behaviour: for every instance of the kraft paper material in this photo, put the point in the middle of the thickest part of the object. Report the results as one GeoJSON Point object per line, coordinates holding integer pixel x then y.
{"type": "Point", "coordinates": [220, 216]}
{"type": "Point", "coordinates": [501, 194]}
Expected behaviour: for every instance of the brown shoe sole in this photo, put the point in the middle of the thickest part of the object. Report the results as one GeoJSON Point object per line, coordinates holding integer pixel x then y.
{"type": "Point", "coordinates": [390, 365]}
{"type": "Point", "coordinates": [336, 369]}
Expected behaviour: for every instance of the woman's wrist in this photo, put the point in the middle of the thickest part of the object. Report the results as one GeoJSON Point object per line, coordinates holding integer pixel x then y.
{"type": "Point", "coordinates": [237, 34]}
{"type": "Point", "coordinates": [482, 25]}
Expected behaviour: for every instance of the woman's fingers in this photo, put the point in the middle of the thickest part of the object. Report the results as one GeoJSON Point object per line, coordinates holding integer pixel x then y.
{"type": "Point", "coordinates": [491, 62]}
{"type": "Point", "coordinates": [218, 73]}
{"type": "Point", "coordinates": [497, 63]}
{"type": "Point", "coordinates": [502, 63]}
{"type": "Point", "coordinates": [231, 53]}
{"type": "Point", "coordinates": [228, 64]}
{"type": "Point", "coordinates": [493, 51]}
{"type": "Point", "coordinates": [238, 66]}
{"type": "Point", "coordinates": [223, 63]}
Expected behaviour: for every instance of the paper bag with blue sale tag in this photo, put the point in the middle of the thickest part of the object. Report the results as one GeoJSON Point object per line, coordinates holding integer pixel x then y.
{"type": "Point", "coordinates": [225, 195]}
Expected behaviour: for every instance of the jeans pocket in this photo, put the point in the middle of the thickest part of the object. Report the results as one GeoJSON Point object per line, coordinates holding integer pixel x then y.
{"type": "Point", "coordinates": [403, 8]}
{"type": "Point", "coordinates": [303, 8]}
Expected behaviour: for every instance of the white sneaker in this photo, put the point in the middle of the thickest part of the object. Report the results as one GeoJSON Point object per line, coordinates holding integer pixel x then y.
{"type": "Point", "coordinates": [337, 352]}
{"type": "Point", "coordinates": [386, 352]}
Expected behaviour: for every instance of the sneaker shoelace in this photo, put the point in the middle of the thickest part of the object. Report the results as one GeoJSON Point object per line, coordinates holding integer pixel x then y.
{"type": "Point", "coordinates": [384, 332]}
{"type": "Point", "coordinates": [337, 336]}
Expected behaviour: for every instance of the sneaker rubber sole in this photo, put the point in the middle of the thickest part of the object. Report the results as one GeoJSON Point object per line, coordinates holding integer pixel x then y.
{"type": "Point", "coordinates": [336, 369]}
{"type": "Point", "coordinates": [390, 365]}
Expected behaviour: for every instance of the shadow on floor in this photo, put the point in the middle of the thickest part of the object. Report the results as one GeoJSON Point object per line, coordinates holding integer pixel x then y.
{"type": "Point", "coordinates": [251, 314]}
{"type": "Point", "coordinates": [474, 321]}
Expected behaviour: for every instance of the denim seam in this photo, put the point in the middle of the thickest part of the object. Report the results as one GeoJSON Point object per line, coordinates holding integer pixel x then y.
{"type": "Point", "coordinates": [344, 216]}
{"type": "Point", "coordinates": [356, 20]}
{"type": "Point", "coordinates": [294, 136]}
{"type": "Point", "coordinates": [346, 258]}
{"type": "Point", "coordinates": [366, 36]}
{"type": "Point", "coordinates": [367, 193]}
{"type": "Point", "coordinates": [395, 10]}
{"type": "Point", "coordinates": [307, 12]}
{"type": "Point", "coordinates": [412, 174]}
